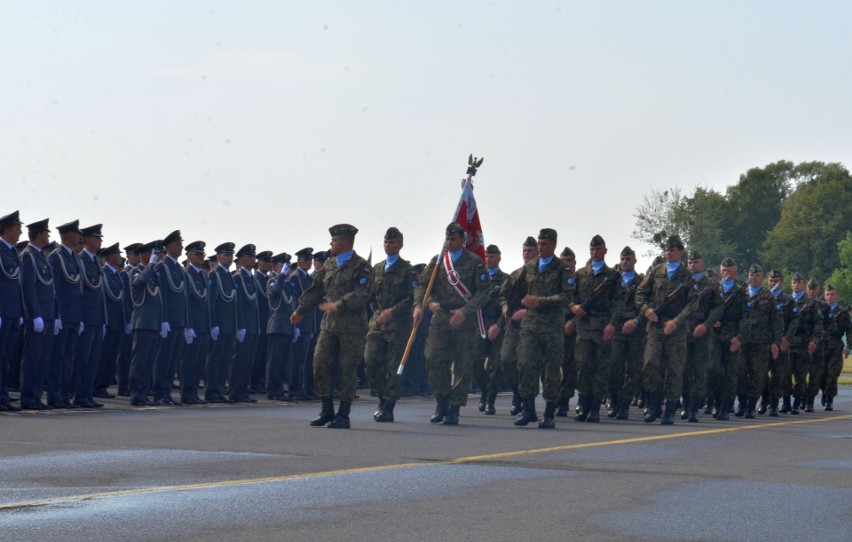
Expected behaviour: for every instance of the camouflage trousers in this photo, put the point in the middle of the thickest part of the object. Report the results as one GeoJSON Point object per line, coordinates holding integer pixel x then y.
{"type": "Point", "coordinates": [382, 356]}
{"type": "Point", "coordinates": [800, 362]}
{"type": "Point", "coordinates": [662, 366]}
{"type": "Point", "coordinates": [626, 364]}
{"type": "Point", "coordinates": [509, 355]}
{"type": "Point", "coordinates": [450, 355]}
{"type": "Point", "coordinates": [569, 368]}
{"type": "Point", "coordinates": [695, 368]}
{"type": "Point", "coordinates": [728, 364]}
{"type": "Point", "coordinates": [593, 362]}
{"type": "Point", "coordinates": [540, 357]}
{"type": "Point", "coordinates": [479, 371]}
{"type": "Point", "coordinates": [752, 366]}
{"type": "Point", "coordinates": [497, 372]}
{"type": "Point", "coordinates": [833, 367]}
{"type": "Point", "coordinates": [337, 349]}
{"type": "Point", "coordinates": [778, 377]}
{"type": "Point", "coordinates": [816, 370]}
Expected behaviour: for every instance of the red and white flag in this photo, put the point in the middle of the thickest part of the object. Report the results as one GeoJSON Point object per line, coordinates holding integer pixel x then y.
{"type": "Point", "coordinates": [467, 215]}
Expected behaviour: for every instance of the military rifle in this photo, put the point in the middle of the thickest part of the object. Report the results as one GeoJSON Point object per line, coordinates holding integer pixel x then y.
{"type": "Point", "coordinates": [669, 299]}
{"type": "Point", "coordinates": [735, 294]}
{"type": "Point", "coordinates": [599, 290]}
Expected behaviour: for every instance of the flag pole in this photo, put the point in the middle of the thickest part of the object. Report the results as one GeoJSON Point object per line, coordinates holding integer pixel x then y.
{"type": "Point", "coordinates": [472, 165]}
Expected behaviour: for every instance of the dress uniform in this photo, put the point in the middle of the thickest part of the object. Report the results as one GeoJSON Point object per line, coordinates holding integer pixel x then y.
{"type": "Point", "coordinates": [146, 320]}
{"type": "Point", "coordinates": [11, 302]}
{"type": "Point", "coordinates": [248, 325]}
{"type": "Point", "coordinates": [173, 292]}
{"type": "Point", "coordinates": [341, 290]}
{"type": "Point", "coordinates": [123, 364]}
{"type": "Point", "coordinates": [87, 357]}
{"type": "Point", "coordinates": [197, 333]}
{"type": "Point", "coordinates": [223, 324]}
{"type": "Point", "coordinates": [257, 384]}
{"type": "Point", "coordinates": [117, 319]}
{"type": "Point", "coordinates": [279, 330]}
{"type": "Point", "coordinates": [300, 372]}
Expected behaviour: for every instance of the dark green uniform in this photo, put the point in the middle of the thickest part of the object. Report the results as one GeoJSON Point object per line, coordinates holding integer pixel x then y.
{"type": "Point", "coordinates": [805, 326]}
{"type": "Point", "coordinates": [728, 328]}
{"type": "Point", "coordinates": [779, 374]}
{"type": "Point", "coordinates": [708, 309]}
{"type": "Point", "coordinates": [491, 350]}
{"type": "Point", "coordinates": [511, 293]}
{"type": "Point", "coordinates": [626, 351]}
{"type": "Point", "coordinates": [760, 327]}
{"type": "Point", "coordinates": [836, 323]}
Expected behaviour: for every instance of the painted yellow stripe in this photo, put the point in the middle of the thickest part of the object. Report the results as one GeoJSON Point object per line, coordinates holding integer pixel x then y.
{"type": "Point", "coordinates": [379, 468]}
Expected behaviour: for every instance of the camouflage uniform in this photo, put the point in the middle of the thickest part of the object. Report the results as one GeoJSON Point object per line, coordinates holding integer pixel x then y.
{"type": "Point", "coordinates": [511, 293]}
{"type": "Point", "coordinates": [708, 309]}
{"type": "Point", "coordinates": [569, 369]}
{"type": "Point", "coordinates": [836, 324]}
{"type": "Point", "coordinates": [760, 326]}
{"type": "Point", "coordinates": [626, 351]}
{"type": "Point", "coordinates": [728, 327]}
{"type": "Point", "coordinates": [778, 378]}
{"type": "Point", "coordinates": [805, 326]}
{"type": "Point", "coordinates": [491, 350]}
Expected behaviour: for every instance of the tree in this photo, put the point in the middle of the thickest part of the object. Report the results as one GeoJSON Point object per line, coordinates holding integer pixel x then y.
{"type": "Point", "coordinates": [814, 219]}
{"type": "Point", "coordinates": [656, 219]}
{"type": "Point", "coordinates": [842, 276]}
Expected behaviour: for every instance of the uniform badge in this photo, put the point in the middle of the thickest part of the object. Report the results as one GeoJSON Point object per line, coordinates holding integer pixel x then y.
{"type": "Point", "coordinates": [363, 281]}
{"type": "Point", "coordinates": [749, 304]}
{"type": "Point", "coordinates": [795, 309]}
{"type": "Point", "coordinates": [570, 281]}
{"type": "Point", "coordinates": [779, 306]}
{"type": "Point", "coordinates": [695, 287]}
{"type": "Point", "coordinates": [483, 277]}
{"type": "Point", "coordinates": [414, 284]}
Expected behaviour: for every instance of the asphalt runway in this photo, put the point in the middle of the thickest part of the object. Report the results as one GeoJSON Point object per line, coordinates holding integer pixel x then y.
{"type": "Point", "coordinates": [259, 472]}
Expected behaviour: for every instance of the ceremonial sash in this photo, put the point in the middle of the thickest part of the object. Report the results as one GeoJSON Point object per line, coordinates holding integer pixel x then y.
{"type": "Point", "coordinates": [455, 281]}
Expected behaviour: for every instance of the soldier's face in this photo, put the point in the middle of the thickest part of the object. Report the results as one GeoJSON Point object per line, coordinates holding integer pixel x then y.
{"type": "Point", "coordinates": [529, 253]}
{"type": "Point", "coordinates": [597, 253]}
{"type": "Point", "coordinates": [195, 258]}
{"type": "Point", "coordinates": [225, 259]}
{"type": "Point", "coordinates": [628, 263]}
{"type": "Point", "coordinates": [340, 244]}
{"type": "Point", "coordinates": [93, 243]}
{"type": "Point", "coordinates": [393, 246]}
{"type": "Point", "coordinates": [755, 279]}
{"type": "Point", "coordinates": [695, 266]}
{"type": "Point", "coordinates": [492, 261]}
{"type": "Point", "coordinates": [114, 260]}
{"type": "Point", "coordinates": [674, 254]}
{"type": "Point", "coordinates": [728, 273]}
{"type": "Point", "coordinates": [132, 259]}
{"type": "Point", "coordinates": [569, 261]}
{"type": "Point", "coordinates": [12, 233]}
{"type": "Point", "coordinates": [455, 242]}
{"type": "Point", "coordinates": [264, 267]}
{"type": "Point", "coordinates": [174, 249]}
{"type": "Point", "coordinates": [831, 297]}
{"type": "Point", "coordinates": [42, 239]}
{"type": "Point", "coordinates": [546, 248]}
{"type": "Point", "coordinates": [797, 285]}
{"type": "Point", "coordinates": [773, 281]}
{"type": "Point", "coordinates": [304, 263]}
{"type": "Point", "coordinates": [813, 293]}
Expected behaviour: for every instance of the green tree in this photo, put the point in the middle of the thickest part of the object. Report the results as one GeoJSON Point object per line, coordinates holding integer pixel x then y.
{"type": "Point", "coordinates": [703, 218]}
{"type": "Point", "coordinates": [656, 219]}
{"type": "Point", "coordinates": [842, 276]}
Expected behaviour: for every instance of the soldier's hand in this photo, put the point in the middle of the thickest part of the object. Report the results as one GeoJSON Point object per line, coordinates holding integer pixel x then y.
{"type": "Point", "coordinates": [812, 346]}
{"type": "Point", "coordinates": [629, 326]}
{"type": "Point", "coordinates": [457, 318]}
{"type": "Point", "coordinates": [717, 325]}
{"type": "Point", "coordinates": [608, 333]}
{"type": "Point", "coordinates": [518, 315]}
{"type": "Point", "coordinates": [295, 318]}
{"type": "Point", "coordinates": [846, 352]}
{"type": "Point", "coordinates": [531, 301]}
{"type": "Point", "coordinates": [773, 349]}
{"type": "Point", "coordinates": [494, 332]}
{"type": "Point", "coordinates": [670, 327]}
{"type": "Point", "coordinates": [328, 306]}
{"type": "Point", "coordinates": [735, 344]}
{"type": "Point", "coordinates": [417, 316]}
{"type": "Point", "coordinates": [578, 311]}
{"type": "Point", "coordinates": [785, 344]}
{"type": "Point", "coordinates": [651, 315]}
{"type": "Point", "coordinates": [569, 328]}
{"type": "Point", "coordinates": [385, 316]}
{"type": "Point", "coordinates": [699, 331]}
{"type": "Point", "coordinates": [38, 324]}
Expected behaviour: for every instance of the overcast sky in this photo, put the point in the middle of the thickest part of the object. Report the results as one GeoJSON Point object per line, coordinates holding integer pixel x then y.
{"type": "Point", "coordinates": [267, 122]}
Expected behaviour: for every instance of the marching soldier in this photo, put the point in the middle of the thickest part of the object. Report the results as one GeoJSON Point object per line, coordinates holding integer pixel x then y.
{"type": "Point", "coordinates": [173, 292]}
{"type": "Point", "coordinates": [87, 358]}
{"type": "Point", "coordinates": [300, 377]}
{"type": "Point", "coordinates": [569, 362]}
{"type": "Point", "coordinates": [340, 290]}
{"type": "Point", "coordinates": [279, 330]}
{"type": "Point", "coordinates": [837, 323]}
{"type": "Point", "coordinates": [801, 338]}
{"type": "Point", "coordinates": [724, 332]}
{"type": "Point", "coordinates": [223, 324]}
{"type": "Point", "coordinates": [147, 320]}
{"type": "Point", "coordinates": [460, 290]}
{"type": "Point", "coordinates": [628, 343]}
{"type": "Point", "coordinates": [493, 344]}
{"type": "Point", "coordinates": [116, 320]}
{"type": "Point", "coordinates": [393, 284]}
{"type": "Point", "coordinates": [816, 367]}
{"type": "Point", "coordinates": [248, 325]}
{"type": "Point", "coordinates": [197, 333]}
{"type": "Point", "coordinates": [11, 301]}
{"type": "Point", "coordinates": [779, 375]}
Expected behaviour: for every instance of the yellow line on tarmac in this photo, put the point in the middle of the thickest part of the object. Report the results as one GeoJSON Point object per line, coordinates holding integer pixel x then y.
{"type": "Point", "coordinates": [379, 468]}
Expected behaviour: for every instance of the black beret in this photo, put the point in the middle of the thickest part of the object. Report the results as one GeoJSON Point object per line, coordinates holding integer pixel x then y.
{"type": "Point", "coordinates": [73, 226]}
{"type": "Point", "coordinates": [567, 252]}
{"type": "Point", "coordinates": [37, 227]}
{"type": "Point", "coordinates": [547, 233]}
{"type": "Point", "coordinates": [225, 248]}
{"type": "Point", "coordinates": [172, 237]}
{"type": "Point", "coordinates": [393, 233]}
{"type": "Point", "coordinates": [305, 253]}
{"type": "Point", "coordinates": [797, 276]}
{"type": "Point", "coordinates": [729, 262]}
{"type": "Point", "coordinates": [246, 250]}
{"type": "Point", "coordinates": [492, 249]}
{"type": "Point", "coordinates": [454, 228]}
{"type": "Point", "coordinates": [10, 219]}
{"type": "Point", "coordinates": [674, 242]}
{"type": "Point", "coordinates": [343, 229]}
{"type": "Point", "coordinates": [92, 231]}
{"type": "Point", "coordinates": [597, 241]}
{"type": "Point", "coordinates": [627, 251]}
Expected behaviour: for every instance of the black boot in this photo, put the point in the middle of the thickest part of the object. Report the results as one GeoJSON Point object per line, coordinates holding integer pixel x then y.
{"type": "Point", "coordinates": [623, 410]}
{"type": "Point", "coordinates": [797, 402]}
{"type": "Point", "coordinates": [668, 415]}
{"type": "Point", "coordinates": [549, 413]}
{"type": "Point", "coordinates": [379, 408]}
{"type": "Point", "coordinates": [635, 401]}
{"type": "Point", "coordinates": [750, 404]}
{"type": "Point", "coordinates": [641, 399]}
{"type": "Point", "coordinates": [741, 407]}
{"type": "Point", "coordinates": [583, 405]}
{"type": "Point", "coordinates": [829, 404]}
{"type": "Point", "coordinates": [708, 408]}
{"type": "Point", "coordinates": [326, 413]}
{"type": "Point", "coordinates": [612, 406]}
{"type": "Point", "coordinates": [562, 408]}
{"type": "Point", "coordinates": [724, 414]}
{"type": "Point", "coordinates": [684, 413]}
{"type": "Point", "coordinates": [773, 408]}
{"type": "Point", "coordinates": [693, 412]}
{"type": "Point", "coordinates": [440, 410]}
{"type": "Point", "coordinates": [483, 400]}
{"type": "Point", "coordinates": [785, 405]}
{"type": "Point", "coordinates": [528, 415]}
{"type": "Point", "coordinates": [809, 404]}
{"type": "Point", "coordinates": [517, 403]}
{"type": "Point", "coordinates": [341, 421]}
{"type": "Point", "coordinates": [452, 417]}
{"type": "Point", "coordinates": [764, 404]}
{"type": "Point", "coordinates": [653, 408]}
{"type": "Point", "coordinates": [594, 415]}
{"type": "Point", "coordinates": [386, 415]}
{"type": "Point", "coordinates": [489, 404]}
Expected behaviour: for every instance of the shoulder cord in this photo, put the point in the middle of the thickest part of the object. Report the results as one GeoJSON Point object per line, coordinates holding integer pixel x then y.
{"type": "Point", "coordinates": [260, 290]}
{"type": "Point", "coordinates": [11, 276]}
{"type": "Point", "coordinates": [90, 285]}
{"type": "Point", "coordinates": [250, 297]}
{"type": "Point", "coordinates": [68, 278]}
{"type": "Point", "coordinates": [172, 287]}
{"type": "Point", "coordinates": [284, 296]}
{"type": "Point", "coordinates": [37, 273]}
{"type": "Point", "coordinates": [154, 292]}
{"type": "Point", "coordinates": [195, 292]}
{"type": "Point", "coordinates": [112, 295]}
{"type": "Point", "coordinates": [227, 298]}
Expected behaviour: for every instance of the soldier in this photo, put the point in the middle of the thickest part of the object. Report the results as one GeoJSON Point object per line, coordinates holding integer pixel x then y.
{"type": "Point", "coordinates": [460, 290]}
{"type": "Point", "coordinates": [493, 316]}
{"type": "Point", "coordinates": [197, 333]}
{"type": "Point", "coordinates": [87, 357]}
{"type": "Point", "coordinates": [123, 364]}
{"type": "Point", "coordinates": [264, 264]}
{"type": "Point", "coordinates": [569, 362]}
{"type": "Point", "coordinates": [816, 367]}
{"type": "Point", "coordinates": [629, 340]}
{"type": "Point", "coordinates": [340, 290]}
{"type": "Point", "coordinates": [248, 325]}
{"type": "Point", "coordinates": [393, 285]}
{"type": "Point", "coordinates": [300, 377]}
{"type": "Point", "coordinates": [69, 294]}
{"type": "Point", "coordinates": [319, 257]}
{"type": "Point", "coordinates": [597, 306]}
{"type": "Point", "coordinates": [706, 312]}
{"type": "Point", "coordinates": [836, 324]}
{"type": "Point", "coordinates": [116, 320]}
{"type": "Point", "coordinates": [223, 324]}
{"type": "Point", "coordinates": [779, 374]}
{"type": "Point", "coordinates": [511, 292]}
{"type": "Point", "coordinates": [801, 338]}
{"type": "Point", "coordinates": [662, 301]}
{"type": "Point", "coordinates": [279, 330]}
{"type": "Point", "coordinates": [173, 292]}
{"type": "Point", "coordinates": [541, 342]}
{"type": "Point", "coordinates": [11, 301]}
{"type": "Point", "coordinates": [147, 323]}
{"type": "Point", "coordinates": [724, 331]}
{"type": "Point", "coordinates": [415, 380]}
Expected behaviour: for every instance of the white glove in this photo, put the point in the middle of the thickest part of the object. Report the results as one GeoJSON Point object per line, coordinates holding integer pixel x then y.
{"type": "Point", "coordinates": [167, 327]}
{"type": "Point", "coordinates": [1, 321]}
{"type": "Point", "coordinates": [214, 333]}
{"type": "Point", "coordinates": [57, 326]}
{"type": "Point", "coordinates": [285, 270]}
{"type": "Point", "coordinates": [38, 324]}
{"type": "Point", "coordinates": [103, 332]}
{"type": "Point", "coordinates": [20, 321]}
{"type": "Point", "coordinates": [164, 330]}
{"type": "Point", "coordinates": [154, 258]}
{"type": "Point", "coordinates": [82, 327]}
{"type": "Point", "coordinates": [241, 335]}
{"type": "Point", "coordinates": [127, 329]}
{"type": "Point", "coordinates": [297, 333]}
{"type": "Point", "coordinates": [189, 335]}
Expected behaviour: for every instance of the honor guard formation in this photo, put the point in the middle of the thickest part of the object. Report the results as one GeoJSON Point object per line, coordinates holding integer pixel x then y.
{"type": "Point", "coordinates": [77, 318]}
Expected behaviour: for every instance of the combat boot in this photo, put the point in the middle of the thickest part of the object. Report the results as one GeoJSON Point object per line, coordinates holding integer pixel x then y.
{"type": "Point", "coordinates": [773, 408]}
{"type": "Point", "coordinates": [796, 404]}
{"type": "Point", "coordinates": [764, 404]}
{"type": "Point", "coordinates": [489, 404]}
{"type": "Point", "coordinates": [668, 414]}
{"type": "Point", "coordinates": [741, 407]}
{"type": "Point", "coordinates": [785, 406]}
{"type": "Point", "coordinates": [653, 408]}
{"type": "Point", "coordinates": [635, 401]}
{"type": "Point", "coordinates": [517, 404]}
{"type": "Point", "coordinates": [750, 404]}
{"type": "Point", "coordinates": [641, 400]}
{"type": "Point", "coordinates": [594, 415]}
{"type": "Point", "coordinates": [379, 408]}
{"type": "Point", "coordinates": [549, 412]}
{"type": "Point", "coordinates": [583, 405]}
{"type": "Point", "coordinates": [341, 421]}
{"type": "Point", "coordinates": [809, 405]}
{"type": "Point", "coordinates": [693, 412]}
{"type": "Point", "coordinates": [829, 404]}
{"type": "Point", "coordinates": [623, 410]}
{"type": "Point", "coordinates": [562, 408]}
{"type": "Point", "coordinates": [326, 413]}
{"type": "Point", "coordinates": [386, 415]}
{"type": "Point", "coordinates": [687, 404]}
{"type": "Point", "coordinates": [709, 407]}
{"type": "Point", "coordinates": [483, 400]}
{"type": "Point", "coordinates": [452, 417]}
{"type": "Point", "coordinates": [440, 410]}
{"type": "Point", "coordinates": [723, 415]}
{"type": "Point", "coordinates": [528, 415]}
{"type": "Point", "coordinates": [612, 406]}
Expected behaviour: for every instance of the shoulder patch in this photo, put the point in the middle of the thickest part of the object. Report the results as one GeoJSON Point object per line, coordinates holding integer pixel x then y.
{"type": "Point", "coordinates": [363, 281]}
{"type": "Point", "coordinates": [483, 277]}
{"type": "Point", "coordinates": [571, 281]}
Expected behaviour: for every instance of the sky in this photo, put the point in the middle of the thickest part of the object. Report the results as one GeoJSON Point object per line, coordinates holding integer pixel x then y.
{"type": "Point", "coordinates": [268, 122]}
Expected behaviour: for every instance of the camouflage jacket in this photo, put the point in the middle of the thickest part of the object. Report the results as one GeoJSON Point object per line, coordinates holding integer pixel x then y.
{"type": "Point", "coordinates": [708, 304]}
{"type": "Point", "coordinates": [760, 323]}
{"type": "Point", "coordinates": [348, 286]}
{"type": "Point", "coordinates": [657, 286]}
{"type": "Point", "coordinates": [511, 293]}
{"type": "Point", "coordinates": [553, 285]}
{"type": "Point", "coordinates": [393, 289]}
{"type": "Point", "coordinates": [629, 311]}
{"type": "Point", "coordinates": [806, 324]}
{"type": "Point", "coordinates": [491, 311]}
{"type": "Point", "coordinates": [732, 311]}
{"type": "Point", "coordinates": [606, 307]}
{"type": "Point", "coordinates": [471, 272]}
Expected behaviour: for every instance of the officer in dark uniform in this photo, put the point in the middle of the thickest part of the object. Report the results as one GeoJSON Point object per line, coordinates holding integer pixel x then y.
{"type": "Point", "coordinates": [69, 293]}
{"type": "Point", "coordinates": [117, 319]}
{"type": "Point", "coordinates": [147, 320]}
{"type": "Point", "coordinates": [173, 291]}
{"type": "Point", "coordinates": [257, 384]}
{"type": "Point", "coordinates": [248, 325]}
{"type": "Point", "coordinates": [197, 333]}
{"type": "Point", "coordinates": [301, 370]}
{"type": "Point", "coordinates": [40, 310]}
{"type": "Point", "coordinates": [223, 321]}
{"type": "Point", "coordinates": [87, 357]}
{"type": "Point", "coordinates": [11, 302]}
{"type": "Point", "coordinates": [279, 330]}
{"type": "Point", "coordinates": [123, 364]}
